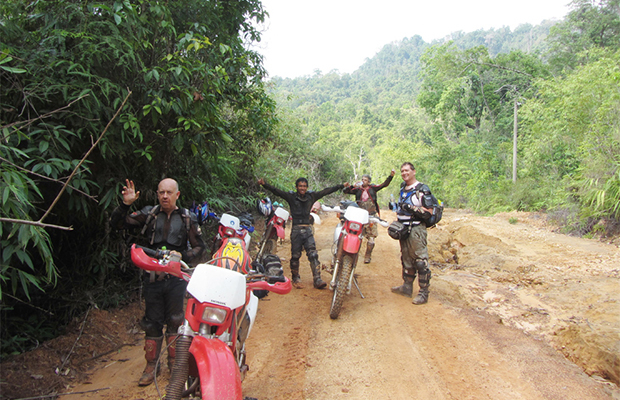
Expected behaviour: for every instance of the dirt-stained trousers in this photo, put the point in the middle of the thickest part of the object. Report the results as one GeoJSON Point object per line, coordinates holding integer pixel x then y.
{"type": "Point", "coordinates": [414, 255]}
{"type": "Point", "coordinates": [302, 237]}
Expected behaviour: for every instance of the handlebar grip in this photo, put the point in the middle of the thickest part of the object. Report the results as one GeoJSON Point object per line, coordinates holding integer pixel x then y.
{"type": "Point", "coordinates": [275, 279]}
{"type": "Point", "coordinates": [153, 253]}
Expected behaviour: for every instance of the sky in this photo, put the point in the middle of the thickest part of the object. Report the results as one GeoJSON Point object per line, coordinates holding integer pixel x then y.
{"type": "Point", "coordinates": [301, 36]}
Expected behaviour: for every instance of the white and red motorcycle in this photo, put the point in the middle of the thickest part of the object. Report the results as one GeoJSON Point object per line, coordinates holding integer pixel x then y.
{"type": "Point", "coordinates": [210, 358]}
{"type": "Point", "coordinates": [274, 229]}
{"type": "Point", "coordinates": [348, 237]}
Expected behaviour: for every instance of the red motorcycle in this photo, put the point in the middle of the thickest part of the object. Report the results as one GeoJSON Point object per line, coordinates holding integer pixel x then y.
{"type": "Point", "coordinates": [345, 250]}
{"type": "Point", "coordinates": [274, 229]}
{"type": "Point", "coordinates": [221, 310]}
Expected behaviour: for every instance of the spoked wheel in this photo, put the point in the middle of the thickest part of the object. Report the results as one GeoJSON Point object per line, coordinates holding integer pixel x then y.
{"type": "Point", "coordinates": [342, 283]}
{"type": "Point", "coordinates": [267, 245]}
{"type": "Point", "coordinates": [270, 247]}
{"type": "Point", "coordinates": [191, 387]}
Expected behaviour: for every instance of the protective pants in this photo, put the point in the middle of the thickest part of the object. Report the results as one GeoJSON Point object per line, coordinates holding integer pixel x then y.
{"type": "Point", "coordinates": [414, 258]}
{"type": "Point", "coordinates": [163, 306]}
{"type": "Point", "coordinates": [302, 237]}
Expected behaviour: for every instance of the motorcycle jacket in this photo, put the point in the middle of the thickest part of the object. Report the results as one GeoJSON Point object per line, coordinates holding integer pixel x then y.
{"type": "Point", "coordinates": [410, 201]}
{"type": "Point", "coordinates": [300, 207]}
{"type": "Point", "coordinates": [173, 233]}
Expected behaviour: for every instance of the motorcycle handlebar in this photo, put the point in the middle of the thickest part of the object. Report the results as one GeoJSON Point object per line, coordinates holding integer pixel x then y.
{"type": "Point", "coordinates": [159, 254]}
{"type": "Point", "coordinates": [280, 285]}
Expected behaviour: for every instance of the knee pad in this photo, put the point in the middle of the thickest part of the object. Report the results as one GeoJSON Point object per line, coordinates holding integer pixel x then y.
{"type": "Point", "coordinates": [313, 256]}
{"type": "Point", "coordinates": [173, 323]}
{"type": "Point", "coordinates": [295, 264]}
{"type": "Point", "coordinates": [421, 265]}
{"type": "Point", "coordinates": [371, 240]}
{"type": "Point", "coordinates": [151, 328]}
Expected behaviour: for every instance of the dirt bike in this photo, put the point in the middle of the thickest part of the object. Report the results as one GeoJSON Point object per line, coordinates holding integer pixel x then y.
{"type": "Point", "coordinates": [231, 245]}
{"type": "Point", "coordinates": [210, 349]}
{"type": "Point", "coordinates": [274, 228]}
{"type": "Point", "coordinates": [345, 250]}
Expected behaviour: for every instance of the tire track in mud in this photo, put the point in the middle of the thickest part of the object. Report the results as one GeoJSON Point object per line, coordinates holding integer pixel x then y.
{"type": "Point", "coordinates": [284, 358]}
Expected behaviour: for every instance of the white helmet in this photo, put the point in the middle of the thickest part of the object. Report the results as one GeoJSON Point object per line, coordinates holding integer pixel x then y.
{"type": "Point", "coordinates": [264, 206]}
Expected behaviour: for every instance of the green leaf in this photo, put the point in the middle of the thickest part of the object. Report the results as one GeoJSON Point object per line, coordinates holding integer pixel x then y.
{"type": "Point", "coordinates": [13, 70]}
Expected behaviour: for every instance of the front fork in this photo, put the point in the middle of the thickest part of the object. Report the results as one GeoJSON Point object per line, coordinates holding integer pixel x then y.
{"type": "Point", "coordinates": [180, 369]}
{"type": "Point", "coordinates": [337, 261]}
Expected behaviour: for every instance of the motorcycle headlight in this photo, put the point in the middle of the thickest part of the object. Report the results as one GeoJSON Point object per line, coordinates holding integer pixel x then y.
{"type": "Point", "coordinates": [213, 315]}
{"type": "Point", "coordinates": [355, 226]}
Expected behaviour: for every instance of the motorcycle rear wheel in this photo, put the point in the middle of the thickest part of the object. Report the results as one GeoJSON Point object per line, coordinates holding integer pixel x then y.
{"type": "Point", "coordinates": [342, 283]}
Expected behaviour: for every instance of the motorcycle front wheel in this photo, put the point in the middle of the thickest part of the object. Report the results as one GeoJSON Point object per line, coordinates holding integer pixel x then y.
{"type": "Point", "coordinates": [342, 283]}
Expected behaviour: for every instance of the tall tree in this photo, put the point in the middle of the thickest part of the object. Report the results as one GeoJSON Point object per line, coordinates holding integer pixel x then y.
{"type": "Point", "coordinates": [591, 23]}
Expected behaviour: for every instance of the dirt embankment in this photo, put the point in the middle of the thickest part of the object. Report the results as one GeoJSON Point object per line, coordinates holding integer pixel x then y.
{"type": "Point", "coordinates": [516, 311]}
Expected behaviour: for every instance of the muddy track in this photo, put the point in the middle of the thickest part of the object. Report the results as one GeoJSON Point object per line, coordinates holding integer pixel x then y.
{"type": "Point", "coordinates": [516, 312]}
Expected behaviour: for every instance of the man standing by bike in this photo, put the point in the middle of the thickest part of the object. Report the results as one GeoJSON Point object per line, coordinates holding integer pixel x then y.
{"type": "Point", "coordinates": [366, 198]}
{"type": "Point", "coordinates": [170, 227]}
{"type": "Point", "coordinates": [414, 253]}
{"type": "Point", "coordinates": [302, 236]}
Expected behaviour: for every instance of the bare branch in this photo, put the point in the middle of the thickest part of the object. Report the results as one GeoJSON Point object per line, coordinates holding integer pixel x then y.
{"type": "Point", "coordinates": [53, 396]}
{"type": "Point", "coordinates": [49, 114]}
{"type": "Point", "coordinates": [28, 304]}
{"type": "Point", "coordinates": [59, 370]}
{"type": "Point", "coordinates": [84, 158]}
{"type": "Point", "coordinates": [35, 223]}
{"type": "Point", "coordinates": [48, 178]}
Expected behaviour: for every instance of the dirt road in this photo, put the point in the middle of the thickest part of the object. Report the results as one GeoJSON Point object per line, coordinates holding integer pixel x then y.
{"type": "Point", "coordinates": [515, 312]}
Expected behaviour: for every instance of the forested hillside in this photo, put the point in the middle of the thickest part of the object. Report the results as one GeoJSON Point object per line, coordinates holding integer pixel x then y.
{"type": "Point", "coordinates": [449, 107]}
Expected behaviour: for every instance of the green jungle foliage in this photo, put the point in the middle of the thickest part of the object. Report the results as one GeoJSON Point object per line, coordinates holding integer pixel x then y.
{"type": "Point", "coordinates": [196, 110]}
{"type": "Point", "coordinates": [448, 107]}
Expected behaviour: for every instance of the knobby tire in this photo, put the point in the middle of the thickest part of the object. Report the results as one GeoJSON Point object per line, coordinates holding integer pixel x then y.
{"type": "Point", "coordinates": [342, 283]}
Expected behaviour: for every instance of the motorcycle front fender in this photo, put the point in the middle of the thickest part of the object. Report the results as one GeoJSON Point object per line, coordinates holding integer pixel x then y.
{"type": "Point", "coordinates": [351, 244]}
{"type": "Point", "coordinates": [279, 231]}
{"type": "Point", "coordinates": [220, 378]}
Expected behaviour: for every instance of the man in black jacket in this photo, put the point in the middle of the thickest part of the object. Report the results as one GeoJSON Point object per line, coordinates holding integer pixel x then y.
{"type": "Point", "coordinates": [366, 198]}
{"type": "Point", "coordinates": [302, 235]}
{"type": "Point", "coordinates": [165, 225]}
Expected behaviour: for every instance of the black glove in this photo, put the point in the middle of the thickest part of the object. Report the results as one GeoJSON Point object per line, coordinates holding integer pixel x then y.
{"type": "Point", "coordinates": [417, 212]}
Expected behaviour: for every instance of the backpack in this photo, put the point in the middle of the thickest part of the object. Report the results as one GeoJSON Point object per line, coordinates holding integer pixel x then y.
{"type": "Point", "coordinates": [436, 205]}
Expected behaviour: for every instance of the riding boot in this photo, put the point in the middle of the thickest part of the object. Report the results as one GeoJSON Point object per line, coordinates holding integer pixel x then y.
{"type": "Point", "coordinates": [424, 281]}
{"type": "Point", "coordinates": [295, 279]}
{"type": "Point", "coordinates": [152, 348]}
{"type": "Point", "coordinates": [406, 289]}
{"type": "Point", "coordinates": [369, 247]}
{"type": "Point", "coordinates": [172, 348]}
{"type": "Point", "coordinates": [316, 276]}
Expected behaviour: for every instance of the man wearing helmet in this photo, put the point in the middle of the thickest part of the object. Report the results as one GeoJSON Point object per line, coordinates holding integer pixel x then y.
{"type": "Point", "coordinates": [165, 226]}
{"type": "Point", "coordinates": [302, 237]}
{"type": "Point", "coordinates": [366, 198]}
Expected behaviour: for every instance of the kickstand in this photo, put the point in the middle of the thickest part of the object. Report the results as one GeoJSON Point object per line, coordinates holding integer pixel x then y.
{"type": "Point", "coordinates": [357, 286]}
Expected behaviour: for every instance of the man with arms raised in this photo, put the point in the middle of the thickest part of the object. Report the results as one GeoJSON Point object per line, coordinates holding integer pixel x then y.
{"type": "Point", "coordinates": [302, 236]}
